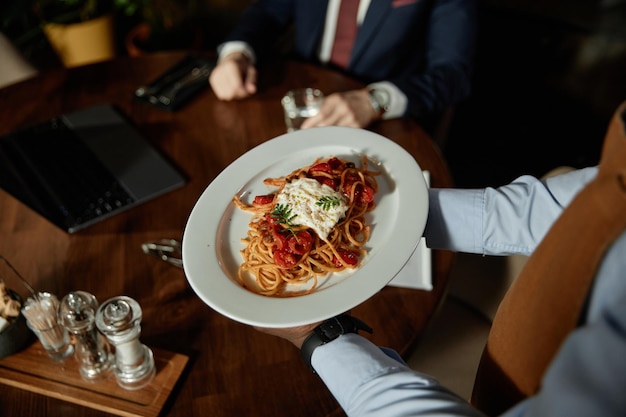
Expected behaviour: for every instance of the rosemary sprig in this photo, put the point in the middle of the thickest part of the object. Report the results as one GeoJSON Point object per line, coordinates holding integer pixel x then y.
{"type": "Point", "coordinates": [327, 202]}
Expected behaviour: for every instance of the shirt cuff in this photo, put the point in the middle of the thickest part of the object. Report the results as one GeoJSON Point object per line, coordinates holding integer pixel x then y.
{"type": "Point", "coordinates": [349, 360]}
{"type": "Point", "coordinates": [236, 46]}
{"type": "Point", "coordinates": [397, 99]}
{"type": "Point", "coordinates": [351, 363]}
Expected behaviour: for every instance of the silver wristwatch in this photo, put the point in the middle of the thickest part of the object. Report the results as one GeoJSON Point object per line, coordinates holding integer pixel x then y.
{"type": "Point", "coordinates": [379, 99]}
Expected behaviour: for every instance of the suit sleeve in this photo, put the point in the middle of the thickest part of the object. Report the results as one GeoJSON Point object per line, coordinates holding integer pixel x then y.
{"type": "Point", "coordinates": [261, 25]}
{"type": "Point", "coordinates": [445, 78]}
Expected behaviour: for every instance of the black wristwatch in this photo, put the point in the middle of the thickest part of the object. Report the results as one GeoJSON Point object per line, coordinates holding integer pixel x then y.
{"type": "Point", "coordinates": [379, 99]}
{"type": "Point", "coordinates": [330, 330]}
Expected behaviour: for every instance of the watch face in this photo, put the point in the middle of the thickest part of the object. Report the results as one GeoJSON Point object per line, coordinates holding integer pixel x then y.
{"type": "Point", "coordinates": [331, 330]}
{"type": "Point", "coordinates": [382, 97]}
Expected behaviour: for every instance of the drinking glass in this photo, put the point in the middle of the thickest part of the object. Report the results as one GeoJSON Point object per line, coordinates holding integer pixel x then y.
{"type": "Point", "coordinates": [300, 104]}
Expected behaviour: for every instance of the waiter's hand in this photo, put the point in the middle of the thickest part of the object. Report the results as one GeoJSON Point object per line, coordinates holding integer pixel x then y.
{"type": "Point", "coordinates": [295, 335]}
{"type": "Point", "coordinates": [234, 77]}
{"type": "Point", "coordinates": [350, 108]}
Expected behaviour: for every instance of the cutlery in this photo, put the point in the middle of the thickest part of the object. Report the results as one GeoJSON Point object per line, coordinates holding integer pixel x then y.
{"type": "Point", "coordinates": [198, 74]}
{"type": "Point", "coordinates": [153, 89]}
{"type": "Point", "coordinates": [168, 250]}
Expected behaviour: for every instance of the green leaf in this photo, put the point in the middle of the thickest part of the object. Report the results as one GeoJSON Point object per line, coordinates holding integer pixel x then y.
{"type": "Point", "coordinates": [327, 202]}
{"type": "Point", "coordinates": [282, 213]}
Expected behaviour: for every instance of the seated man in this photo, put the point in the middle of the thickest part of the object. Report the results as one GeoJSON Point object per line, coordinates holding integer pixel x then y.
{"type": "Point", "coordinates": [416, 56]}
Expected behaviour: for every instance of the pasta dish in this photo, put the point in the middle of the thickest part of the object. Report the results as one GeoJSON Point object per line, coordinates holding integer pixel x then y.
{"type": "Point", "coordinates": [312, 224]}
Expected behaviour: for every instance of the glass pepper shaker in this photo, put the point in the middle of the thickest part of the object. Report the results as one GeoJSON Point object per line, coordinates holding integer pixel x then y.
{"type": "Point", "coordinates": [119, 319]}
{"type": "Point", "coordinates": [77, 312]}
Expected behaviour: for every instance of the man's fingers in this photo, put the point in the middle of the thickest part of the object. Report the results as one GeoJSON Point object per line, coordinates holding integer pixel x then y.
{"type": "Point", "coordinates": [233, 79]}
{"type": "Point", "coordinates": [250, 82]}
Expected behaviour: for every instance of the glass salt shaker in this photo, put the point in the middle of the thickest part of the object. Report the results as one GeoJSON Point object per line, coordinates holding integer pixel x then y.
{"type": "Point", "coordinates": [77, 312]}
{"type": "Point", "coordinates": [119, 319]}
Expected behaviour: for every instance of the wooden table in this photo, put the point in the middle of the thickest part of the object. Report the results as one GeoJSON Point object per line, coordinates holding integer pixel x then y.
{"type": "Point", "coordinates": [232, 370]}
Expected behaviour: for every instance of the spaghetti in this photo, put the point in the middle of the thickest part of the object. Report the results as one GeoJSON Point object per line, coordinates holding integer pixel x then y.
{"type": "Point", "coordinates": [289, 239]}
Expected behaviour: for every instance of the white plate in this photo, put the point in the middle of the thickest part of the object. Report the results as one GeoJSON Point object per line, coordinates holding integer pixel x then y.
{"type": "Point", "coordinates": [212, 237]}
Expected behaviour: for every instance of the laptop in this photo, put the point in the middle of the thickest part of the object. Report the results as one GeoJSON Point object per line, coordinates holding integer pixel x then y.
{"type": "Point", "coordinates": [83, 167]}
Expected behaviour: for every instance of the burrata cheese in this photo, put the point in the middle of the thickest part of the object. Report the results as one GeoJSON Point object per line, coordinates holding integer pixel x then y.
{"type": "Point", "coordinates": [303, 196]}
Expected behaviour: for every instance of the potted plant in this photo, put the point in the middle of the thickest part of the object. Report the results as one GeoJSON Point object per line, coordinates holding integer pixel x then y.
{"type": "Point", "coordinates": [163, 24]}
{"type": "Point", "coordinates": [61, 23]}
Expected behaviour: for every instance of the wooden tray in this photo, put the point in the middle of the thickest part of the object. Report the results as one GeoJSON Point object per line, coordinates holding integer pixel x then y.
{"type": "Point", "coordinates": [33, 370]}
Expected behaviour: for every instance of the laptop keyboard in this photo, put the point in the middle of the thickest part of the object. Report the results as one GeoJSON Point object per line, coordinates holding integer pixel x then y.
{"type": "Point", "coordinates": [56, 160]}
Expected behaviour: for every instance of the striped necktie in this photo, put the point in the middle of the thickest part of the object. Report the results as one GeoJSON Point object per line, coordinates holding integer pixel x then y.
{"type": "Point", "coordinates": [345, 33]}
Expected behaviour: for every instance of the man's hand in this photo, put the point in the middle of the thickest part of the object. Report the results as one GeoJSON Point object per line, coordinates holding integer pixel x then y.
{"type": "Point", "coordinates": [350, 108]}
{"type": "Point", "coordinates": [234, 77]}
{"type": "Point", "coordinates": [295, 335]}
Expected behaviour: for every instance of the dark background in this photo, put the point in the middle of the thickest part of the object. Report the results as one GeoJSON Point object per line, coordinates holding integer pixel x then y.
{"type": "Point", "coordinates": [548, 77]}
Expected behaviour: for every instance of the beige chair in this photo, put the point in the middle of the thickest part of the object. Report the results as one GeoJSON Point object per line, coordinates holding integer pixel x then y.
{"type": "Point", "coordinates": [450, 349]}
{"type": "Point", "coordinates": [13, 66]}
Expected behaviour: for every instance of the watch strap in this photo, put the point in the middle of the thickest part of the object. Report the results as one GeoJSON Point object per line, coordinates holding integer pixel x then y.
{"type": "Point", "coordinates": [328, 331]}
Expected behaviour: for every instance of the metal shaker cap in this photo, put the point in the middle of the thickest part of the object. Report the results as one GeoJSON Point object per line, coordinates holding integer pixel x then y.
{"type": "Point", "coordinates": [118, 314]}
{"type": "Point", "coordinates": [77, 311]}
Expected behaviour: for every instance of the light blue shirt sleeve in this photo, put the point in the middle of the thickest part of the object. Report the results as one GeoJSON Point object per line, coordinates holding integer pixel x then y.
{"type": "Point", "coordinates": [588, 375]}
{"type": "Point", "coordinates": [511, 219]}
{"type": "Point", "coordinates": [367, 382]}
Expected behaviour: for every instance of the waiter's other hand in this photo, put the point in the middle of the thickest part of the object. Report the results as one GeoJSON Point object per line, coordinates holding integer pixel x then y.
{"type": "Point", "coordinates": [295, 335]}
{"type": "Point", "coordinates": [234, 77]}
{"type": "Point", "coordinates": [350, 108]}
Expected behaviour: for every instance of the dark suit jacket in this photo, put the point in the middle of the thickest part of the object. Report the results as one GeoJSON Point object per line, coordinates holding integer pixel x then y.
{"type": "Point", "coordinates": [424, 47]}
